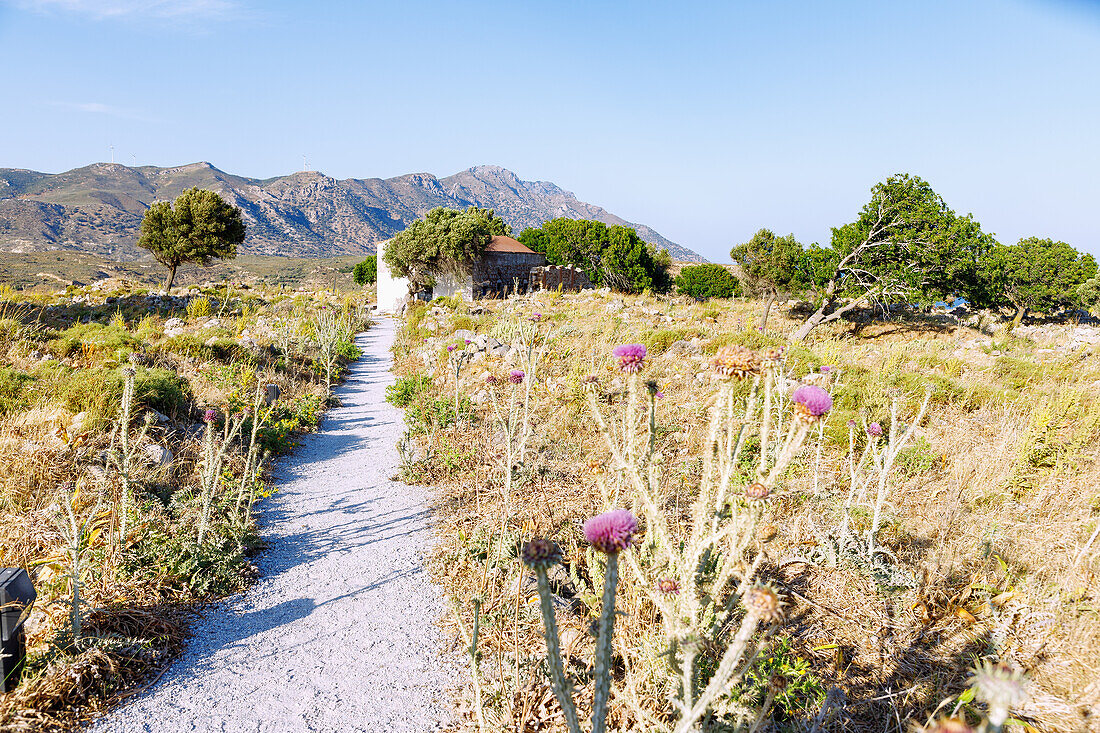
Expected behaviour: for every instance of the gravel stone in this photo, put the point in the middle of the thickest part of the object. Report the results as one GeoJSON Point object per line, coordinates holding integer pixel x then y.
{"type": "Point", "coordinates": [339, 633]}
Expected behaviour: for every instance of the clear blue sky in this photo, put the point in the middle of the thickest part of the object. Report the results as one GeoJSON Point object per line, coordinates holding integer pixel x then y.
{"type": "Point", "coordinates": [705, 120]}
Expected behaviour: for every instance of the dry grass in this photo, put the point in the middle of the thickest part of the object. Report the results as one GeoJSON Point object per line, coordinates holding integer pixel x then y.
{"type": "Point", "coordinates": [989, 512]}
{"type": "Point", "coordinates": [137, 595]}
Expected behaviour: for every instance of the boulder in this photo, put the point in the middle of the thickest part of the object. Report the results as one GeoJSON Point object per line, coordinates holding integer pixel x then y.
{"type": "Point", "coordinates": [158, 455]}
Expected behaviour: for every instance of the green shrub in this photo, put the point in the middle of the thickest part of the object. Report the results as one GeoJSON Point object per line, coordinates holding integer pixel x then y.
{"type": "Point", "coordinates": [658, 341]}
{"type": "Point", "coordinates": [405, 389]}
{"type": "Point", "coordinates": [366, 272]}
{"type": "Point", "coordinates": [98, 392]}
{"type": "Point", "coordinates": [288, 418]}
{"type": "Point", "coordinates": [13, 389]}
{"type": "Point", "coordinates": [707, 281]}
{"type": "Point", "coordinates": [95, 339]}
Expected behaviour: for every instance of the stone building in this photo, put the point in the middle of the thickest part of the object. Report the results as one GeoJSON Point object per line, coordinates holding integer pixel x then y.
{"type": "Point", "coordinates": [504, 263]}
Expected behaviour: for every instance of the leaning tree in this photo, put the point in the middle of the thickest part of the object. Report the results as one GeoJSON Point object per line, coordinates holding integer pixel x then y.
{"type": "Point", "coordinates": [906, 246]}
{"type": "Point", "coordinates": [199, 226]}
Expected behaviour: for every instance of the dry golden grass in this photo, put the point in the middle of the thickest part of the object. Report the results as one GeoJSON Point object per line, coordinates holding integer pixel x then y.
{"type": "Point", "coordinates": [990, 512]}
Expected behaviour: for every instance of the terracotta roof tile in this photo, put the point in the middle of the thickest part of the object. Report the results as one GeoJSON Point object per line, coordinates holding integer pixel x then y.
{"type": "Point", "coordinates": [500, 243]}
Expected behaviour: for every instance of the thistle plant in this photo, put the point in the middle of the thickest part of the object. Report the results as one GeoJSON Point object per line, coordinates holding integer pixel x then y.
{"type": "Point", "coordinates": [329, 329]}
{"type": "Point", "coordinates": [123, 453]}
{"type": "Point", "coordinates": [508, 418]}
{"type": "Point", "coordinates": [869, 482]}
{"type": "Point", "coordinates": [1001, 688]}
{"type": "Point", "coordinates": [79, 535]}
{"type": "Point", "coordinates": [253, 459]}
{"type": "Point", "coordinates": [214, 449]}
{"type": "Point", "coordinates": [610, 533]}
{"type": "Point", "coordinates": [458, 357]}
{"type": "Point", "coordinates": [703, 579]}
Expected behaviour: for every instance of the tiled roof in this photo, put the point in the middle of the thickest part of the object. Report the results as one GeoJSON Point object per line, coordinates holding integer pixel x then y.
{"type": "Point", "coordinates": [500, 243]}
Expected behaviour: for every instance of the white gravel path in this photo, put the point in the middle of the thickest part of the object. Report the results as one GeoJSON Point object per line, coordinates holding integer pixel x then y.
{"type": "Point", "coordinates": [338, 634]}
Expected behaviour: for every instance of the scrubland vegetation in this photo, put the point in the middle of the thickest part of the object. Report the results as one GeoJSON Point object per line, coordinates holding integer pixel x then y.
{"type": "Point", "coordinates": [136, 436]}
{"type": "Point", "coordinates": [919, 552]}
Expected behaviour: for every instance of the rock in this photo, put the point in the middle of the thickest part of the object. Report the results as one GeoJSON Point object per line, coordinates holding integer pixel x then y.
{"type": "Point", "coordinates": [685, 347]}
{"type": "Point", "coordinates": [158, 455]}
{"type": "Point", "coordinates": [465, 334]}
{"type": "Point", "coordinates": [481, 398]}
{"type": "Point", "coordinates": [213, 322]}
{"type": "Point", "coordinates": [174, 323]}
{"type": "Point", "coordinates": [160, 417]}
{"type": "Point", "coordinates": [78, 422]}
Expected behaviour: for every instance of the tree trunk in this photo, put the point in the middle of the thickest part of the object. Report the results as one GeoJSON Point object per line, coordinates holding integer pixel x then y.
{"type": "Point", "coordinates": [170, 280]}
{"type": "Point", "coordinates": [819, 317]}
{"type": "Point", "coordinates": [1021, 311]}
{"type": "Point", "coordinates": [767, 309]}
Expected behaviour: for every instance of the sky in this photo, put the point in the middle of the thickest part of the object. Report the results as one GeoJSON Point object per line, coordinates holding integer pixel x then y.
{"type": "Point", "coordinates": [704, 120]}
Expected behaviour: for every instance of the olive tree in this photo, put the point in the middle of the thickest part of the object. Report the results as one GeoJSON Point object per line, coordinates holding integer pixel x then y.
{"type": "Point", "coordinates": [905, 246]}
{"type": "Point", "coordinates": [366, 272]}
{"type": "Point", "coordinates": [199, 226]}
{"type": "Point", "coordinates": [770, 264]}
{"type": "Point", "coordinates": [445, 240]}
{"type": "Point", "coordinates": [1036, 275]}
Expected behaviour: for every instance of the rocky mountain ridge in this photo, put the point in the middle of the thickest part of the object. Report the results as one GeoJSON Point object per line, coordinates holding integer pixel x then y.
{"type": "Point", "coordinates": [98, 208]}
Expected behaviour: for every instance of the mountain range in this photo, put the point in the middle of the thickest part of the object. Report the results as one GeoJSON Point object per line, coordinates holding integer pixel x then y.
{"type": "Point", "coordinates": [98, 208]}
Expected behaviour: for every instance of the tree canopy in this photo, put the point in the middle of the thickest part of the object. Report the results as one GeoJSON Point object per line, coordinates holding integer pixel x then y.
{"type": "Point", "coordinates": [611, 256]}
{"type": "Point", "coordinates": [770, 264]}
{"type": "Point", "coordinates": [366, 272]}
{"type": "Point", "coordinates": [907, 246]}
{"type": "Point", "coordinates": [199, 226]}
{"type": "Point", "coordinates": [707, 281]}
{"type": "Point", "coordinates": [1036, 274]}
{"type": "Point", "coordinates": [446, 240]}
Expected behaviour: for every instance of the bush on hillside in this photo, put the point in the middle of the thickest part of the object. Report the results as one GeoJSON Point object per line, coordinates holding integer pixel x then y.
{"type": "Point", "coordinates": [707, 281]}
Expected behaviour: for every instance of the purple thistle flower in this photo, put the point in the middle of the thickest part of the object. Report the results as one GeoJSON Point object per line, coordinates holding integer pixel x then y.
{"type": "Point", "coordinates": [516, 376]}
{"type": "Point", "coordinates": [491, 379]}
{"type": "Point", "coordinates": [826, 369]}
{"type": "Point", "coordinates": [851, 423]}
{"type": "Point", "coordinates": [631, 357]}
{"type": "Point", "coordinates": [210, 415]}
{"type": "Point", "coordinates": [811, 402]}
{"type": "Point", "coordinates": [611, 531]}
{"type": "Point", "coordinates": [659, 395]}
{"type": "Point", "coordinates": [450, 347]}
{"type": "Point", "coordinates": [874, 430]}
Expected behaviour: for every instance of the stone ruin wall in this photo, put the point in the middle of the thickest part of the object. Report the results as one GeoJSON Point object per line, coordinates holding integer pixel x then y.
{"type": "Point", "coordinates": [551, 277]}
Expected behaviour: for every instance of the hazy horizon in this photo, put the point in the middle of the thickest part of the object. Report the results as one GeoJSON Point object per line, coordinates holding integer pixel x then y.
{"type": "Point", "coordinates": [705, 123]}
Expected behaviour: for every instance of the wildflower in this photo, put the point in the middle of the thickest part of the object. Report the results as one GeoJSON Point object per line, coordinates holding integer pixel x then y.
{"type": "Point", "coordinates": [874, 430]}
{"type": "Point", "coordinates": [491, 379]}
{"type": "Point", "coordinates": [541, 553]}
{"type": "Point", "coordinates": [450, 347]}
{"type": "Point", "coordinates": [134, 358]}
{"type": "Point", "coordinates": [659, 395]}
{"type": "Point", "coordinates": [611, 531]}
{"type": "Point", "coordinates": [468, 341]}
{"type": "Point", "coordinates": [826, 369]}
{"type": "Point", "coordinates": [536, 318]}
{"type": "Point", "coordinates": [736, 361]}
{"type": "Point", "coordinates": [516, 376]}
{"type": "Point", "coordinates": [651, 387]}
{"type": "Point", "coordinates": [128, 371]}
{"type": "Point", "coordinates": [210, 415]}
{"type": "Point", "coordinates": [1000, 687]}
{"type": "Point", "coordinates": [756, 491]}
{"type": "Point", "coordinates": [811, 402]}
{"type": "Point", "coordinates": [763, 602]}
{"type": "Point", "coordinates": [851, 423]}
{"type": "Point", "coordinates": [668, 586]}
{"type": "Point", "coordinates": [631, 357]}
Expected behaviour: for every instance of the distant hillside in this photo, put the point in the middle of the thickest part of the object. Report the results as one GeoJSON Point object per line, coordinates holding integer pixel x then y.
{"type": "Point", "coordinates": [98, 208]}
